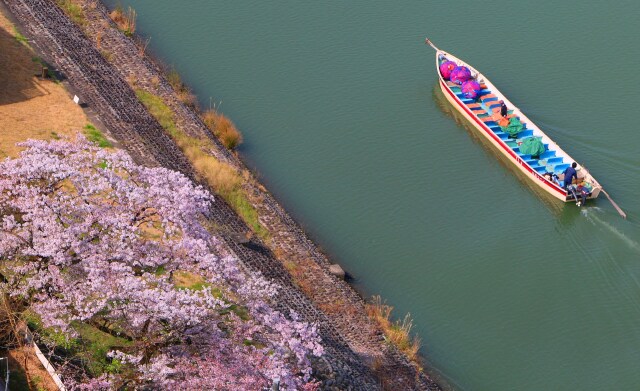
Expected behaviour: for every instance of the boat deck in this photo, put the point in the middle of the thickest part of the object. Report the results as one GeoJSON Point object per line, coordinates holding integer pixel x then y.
{"type": "Point", "coordinates": [485, 105]}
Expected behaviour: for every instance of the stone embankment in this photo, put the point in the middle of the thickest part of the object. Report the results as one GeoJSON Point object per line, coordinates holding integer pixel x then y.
{"type": "Point", "coordinates": [356, 355]}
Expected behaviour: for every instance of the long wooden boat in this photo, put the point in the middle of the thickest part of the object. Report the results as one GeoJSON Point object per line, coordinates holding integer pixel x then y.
{"type": "Point", "coordinates": [480, 113]}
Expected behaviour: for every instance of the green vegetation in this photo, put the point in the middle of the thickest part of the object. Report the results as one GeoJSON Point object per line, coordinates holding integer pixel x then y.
{"type": "Point", "coordinates": [74, 11]}
{"type": "Point", "coordinates": [95, 345]}
{"type": "Point", "coordinates": [21, 38]}
{"type": "Point", "coordinates": [184, 93]}
{"type": "Point", "coordinates": [173, 77]}
{"type": "Point", "coordinates": [186, 280]}
{"type": "Point", "coordinates": [91, 345]}
{"type": "Point", "coordinates": [222, 178]}
{"type": "Point", "coordinates": [96, 136]}
{"type": "Point", "coordinates": [159, 110]}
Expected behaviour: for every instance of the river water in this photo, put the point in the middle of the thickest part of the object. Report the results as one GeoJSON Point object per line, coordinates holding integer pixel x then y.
{"type": "Point", "coordinates": [342, 118]}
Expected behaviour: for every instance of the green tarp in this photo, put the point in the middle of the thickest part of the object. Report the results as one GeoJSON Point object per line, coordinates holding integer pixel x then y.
{"type": "Point", "coordinates": [532, 146]}
{"type": "Point", "coordinates": [514, 127]}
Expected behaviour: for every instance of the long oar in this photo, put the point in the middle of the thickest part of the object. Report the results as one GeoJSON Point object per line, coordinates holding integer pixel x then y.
{"type": "Point", "coordinates": [624, 215]}
{"type": "Point", "coordinates": [428, 42]}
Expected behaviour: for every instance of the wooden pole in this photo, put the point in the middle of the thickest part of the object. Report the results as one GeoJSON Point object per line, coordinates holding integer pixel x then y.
{"type": "Point", "coordinates": [428, 42]}
{"type": "Point", "coordinates": [624, 215]}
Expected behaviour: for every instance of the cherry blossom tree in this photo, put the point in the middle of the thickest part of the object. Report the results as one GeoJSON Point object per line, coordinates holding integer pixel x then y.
{"type": "Point", "coordinates": [89, 237]}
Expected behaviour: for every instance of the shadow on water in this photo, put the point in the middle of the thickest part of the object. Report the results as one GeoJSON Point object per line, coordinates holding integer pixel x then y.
{"type": "Point", "coordinates": [556, 207]}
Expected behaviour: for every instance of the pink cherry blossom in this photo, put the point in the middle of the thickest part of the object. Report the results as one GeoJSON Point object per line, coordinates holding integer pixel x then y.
{"type": "Point", "coordinates": [89, 236]}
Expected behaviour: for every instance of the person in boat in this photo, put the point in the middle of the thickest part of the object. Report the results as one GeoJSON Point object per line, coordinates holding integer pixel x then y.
{"type": "Point", "coordinates": [500, 115]}
{"type": "Point", "coordinates": [569, 174]}
{"type": "Point", "coordinates": [503, 109]}
{"type": "Point", "coordinates": [552, 177]}
{"type": "Point", "coordinates": [580, 190]}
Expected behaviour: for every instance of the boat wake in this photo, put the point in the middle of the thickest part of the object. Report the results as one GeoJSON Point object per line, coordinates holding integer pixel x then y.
{"type": "Point", "coordinates": [591, 213]}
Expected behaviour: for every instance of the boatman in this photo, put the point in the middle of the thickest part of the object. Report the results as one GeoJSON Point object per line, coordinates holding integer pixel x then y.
{"type": "Point", "coordinates": [503, 109]}
{"type": "Point", "coordinates": [569, 174]}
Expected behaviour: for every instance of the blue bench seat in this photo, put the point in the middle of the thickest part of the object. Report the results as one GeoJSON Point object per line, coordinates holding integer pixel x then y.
{"type": "Point", "coordinates": [540, 169]}
{"type": "Point", "coordinates": [554, 160]}
{"type": "Point", "coordinates": [525, 133]}
{"type": "Point", "coordinates": [559, 168]}
{"type": "Point", "coordinates": [491, 103]}
{"type": "Point", "coordinates": [547, 154]}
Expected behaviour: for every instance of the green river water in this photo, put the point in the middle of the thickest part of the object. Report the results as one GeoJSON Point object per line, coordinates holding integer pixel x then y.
{"type": "Point", "coordinates": [342, 118]}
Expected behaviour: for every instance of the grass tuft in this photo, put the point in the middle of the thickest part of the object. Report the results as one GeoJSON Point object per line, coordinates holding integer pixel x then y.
{"type": "Point", "coordinates": [74, 11]}
{"type": "Point", "coordinates": [96, 136]}
{"type": "Point", "coordinates": [398, 332]}
{"type": "Point", "coordinates": [223, 128]}
{"type": "Point", "coordinates": [125, 20]}
{"type": "Point", "coordinates": [182, 91]}
{"type": "Point", "coordinates": [21, 38]}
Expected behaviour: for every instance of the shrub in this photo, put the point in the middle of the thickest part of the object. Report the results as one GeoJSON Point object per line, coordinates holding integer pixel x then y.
{"type": "Point", "coordinates": [174, 79]}
{"type": "Point", "coordinates": [125, 20]}
{"type": "Point", "coordinates": [398, 332]}
{"type": "Point", "coordinates": [187, 97]}
{"type": "Point", "coordinates": [223, 128]}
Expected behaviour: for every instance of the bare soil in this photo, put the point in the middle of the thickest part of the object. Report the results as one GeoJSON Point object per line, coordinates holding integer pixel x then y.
{"type": "Point", "coordinates": [30, 107]}
{"type": "Point", "coordinates": [23, 360]}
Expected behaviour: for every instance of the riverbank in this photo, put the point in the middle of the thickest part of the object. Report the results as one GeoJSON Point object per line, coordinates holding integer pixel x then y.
{"type": "Point", "coordinates": [357, 356]}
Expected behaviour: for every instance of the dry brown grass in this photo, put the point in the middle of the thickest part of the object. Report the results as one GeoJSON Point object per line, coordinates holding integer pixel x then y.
{"type": "Point", "coordinates": [155, 81]}
{"type": "Point", "coordinates": [223, 128]}
{"type": "Point", "coordinates": [29, 106]}
{"type": "Point", "coordinates": [338, 306]}
{"type": "Point", "coordinates": [125, 20]}
{"type": "Point", "coordinates": [187, 97]}
{"type": "Point", "coordinates": [398, 332]}
{"type": "Point", "coordinates": [223, 178]}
